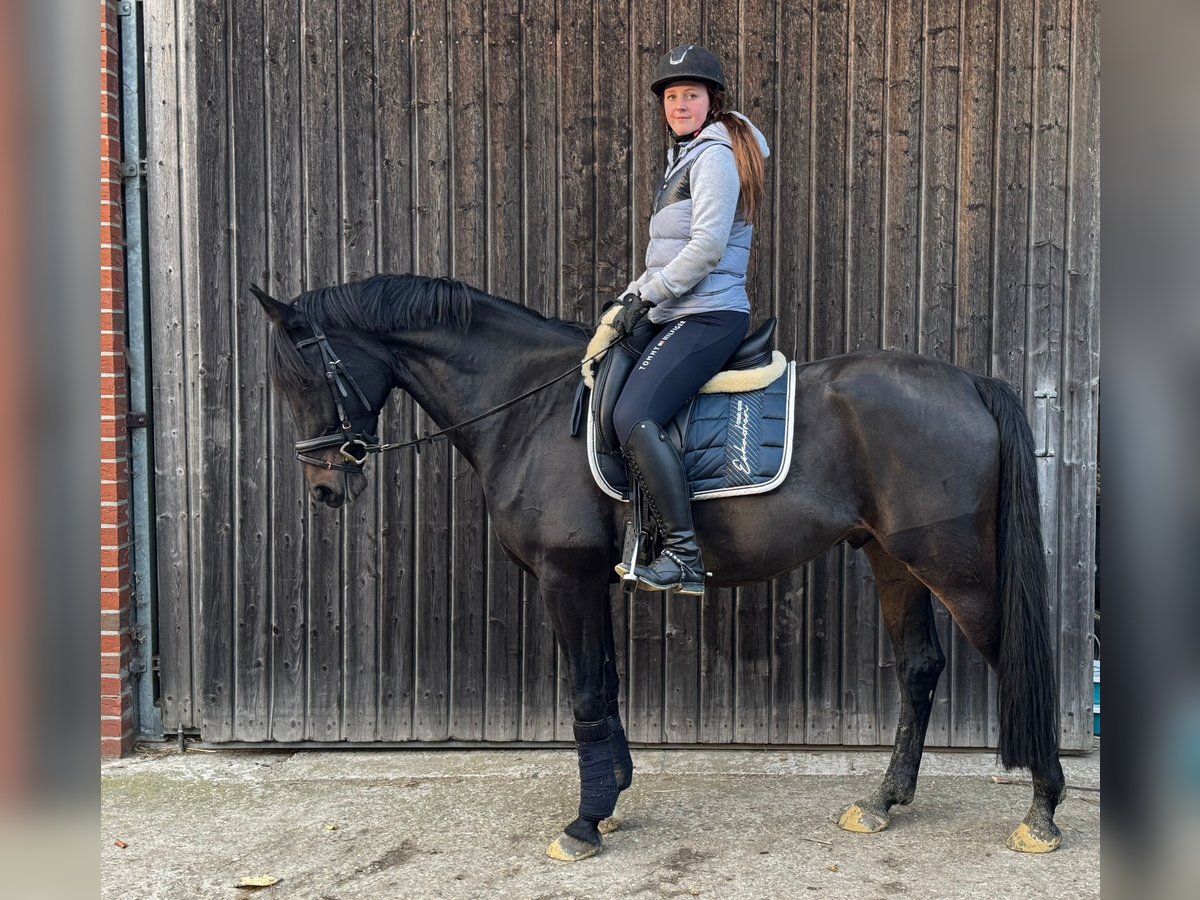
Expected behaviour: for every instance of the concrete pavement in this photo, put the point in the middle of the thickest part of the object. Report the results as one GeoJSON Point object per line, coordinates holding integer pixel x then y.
{"type": "Point", "coordinates": [453, 823]}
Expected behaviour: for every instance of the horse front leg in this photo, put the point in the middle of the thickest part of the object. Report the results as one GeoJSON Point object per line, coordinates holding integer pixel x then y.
{"type": "Point", "coordinates": [908, 617]}
{"type": "Point", "coordinates": [581, 621]}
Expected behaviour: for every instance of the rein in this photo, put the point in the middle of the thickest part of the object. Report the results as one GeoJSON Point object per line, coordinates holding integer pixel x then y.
{"type": "Point", "coordinates": [356, 446]}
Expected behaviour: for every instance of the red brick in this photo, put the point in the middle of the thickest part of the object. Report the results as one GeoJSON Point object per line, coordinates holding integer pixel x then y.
{"type": "Point", "coordinates": [115, 643]}
{"type": "Point", "coordinates": [111, 231]}
{"type": "Point", "coordinates": [114, 619]}
{"type": "Point", "coordinates": [115, 514]}
{"type": "Point", "coordinates": [118, 707]}
{"type": "Point", "coordinates": [110, 189]}
{"type": "Point", "coordinates": [114, 558]}
{"type": "Point", "coordinates": [114, 599]}
{"type": "Point", "coordinates": [114, 470]}
{"type": "Point", "coordinates": [112, 665]}
{"type": "Point", "coordinates": [112, 343]}
{"type": "Point", "coordinates": [113, 257]}
{"type": "Point", "coordinates": [112, 428]}
{"type": "Point", "coordinates": [114, 535]}
{"type": "Point", "coordinates": [113, 320]}
{"type": "Point", "coordinates": [114, 403]}
{"type": "Point", "coordinates": [115, 579]}
{"type": "Point", "coordinates": [112, 278]}
{"type": "Point", "coordinates": [115, 728]}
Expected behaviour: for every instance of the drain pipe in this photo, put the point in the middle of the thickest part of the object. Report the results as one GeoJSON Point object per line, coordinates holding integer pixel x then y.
{"type": "Point", "coordinates": [144, 625]}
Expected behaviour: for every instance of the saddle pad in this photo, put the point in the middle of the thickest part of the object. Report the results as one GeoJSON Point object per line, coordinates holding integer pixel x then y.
{"type": "Point", "coordinates": [734, 444]}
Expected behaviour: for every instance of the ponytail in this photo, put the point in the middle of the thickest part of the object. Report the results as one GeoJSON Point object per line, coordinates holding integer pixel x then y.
{"type": "Point", "coordinates": [746, 154]}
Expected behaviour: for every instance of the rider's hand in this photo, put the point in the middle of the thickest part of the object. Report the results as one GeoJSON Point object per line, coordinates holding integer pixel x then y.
{"type": "Point", "coordinates": [633, 310]}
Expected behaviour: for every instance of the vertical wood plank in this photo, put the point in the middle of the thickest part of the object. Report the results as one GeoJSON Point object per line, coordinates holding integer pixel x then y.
{"type": "Point", "coordinates": [791, 168]}
{"type": "Point", "coordinates": [937, 280]}
{"type": "Point", "coordinates": [1014, 116]}
{"type": "Point", "coordinates": [322, 254]}
{"type": "Point", "coordinates": [251, 457]}
{"type": "Point", "coordinates": [504, 267]}
{"type": "Point", "coordinates": [432, 242]}
{"type": "Point", "coordinates": [824, 708]}
{"type": "Point", "coordinates": [215, 423]}
{"type": "Point", "coordinates": [289, 623]}
{"type": "Point", "coordinates": [614, 150]}
{"type": "Point", "coordinates": [646, 623]}
{"type": "Point", "coordinates": [539, 95]}
{"type": "Point", "coordinates": [1047, 284]}
{"type": "Point", "coordinates": [168, 142]}
{"type": "Point", "coordinates": [717, 655]}
{"type": "Point", "coordinates": [468, 650]}
{"type": "Point", "coordinates": [903, 38]}
{"type": "Point", "coordinates": [681, 628]}
{"type": "Point", "coordinates": [358, 223]}
{"type": "Point", "coordinates": [866, 50]}
{"type": "Point", "coordinates": [394, 473]}
{"type": "Point", "coordinates": [968, 672]}
{"type": "Point", "coordinates": [1077, 509]}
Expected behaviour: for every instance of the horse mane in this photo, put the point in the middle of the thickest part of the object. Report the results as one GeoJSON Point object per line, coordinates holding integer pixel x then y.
{"type": "Point", "coordinates": [384, 303]}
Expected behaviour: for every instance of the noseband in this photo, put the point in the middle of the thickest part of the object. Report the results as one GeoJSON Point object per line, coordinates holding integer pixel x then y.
{"type": "Point", "coordinates": [354, 446]}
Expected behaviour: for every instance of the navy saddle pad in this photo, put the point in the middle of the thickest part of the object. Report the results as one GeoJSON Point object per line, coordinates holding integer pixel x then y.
{"type": "Point", "coordinates": [732, 444]}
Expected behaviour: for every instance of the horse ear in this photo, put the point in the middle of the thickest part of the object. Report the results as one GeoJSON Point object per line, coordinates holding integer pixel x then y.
{"type": "Point", "coordinates": [277, 312]}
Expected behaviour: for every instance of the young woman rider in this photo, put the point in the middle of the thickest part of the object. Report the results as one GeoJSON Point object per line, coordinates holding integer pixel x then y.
{"type": "Point", "coordinates": [689, 309]}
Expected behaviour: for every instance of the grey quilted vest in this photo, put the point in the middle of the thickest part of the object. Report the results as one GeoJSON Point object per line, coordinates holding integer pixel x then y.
{"type": "Point", "coordinates": [724, 288]}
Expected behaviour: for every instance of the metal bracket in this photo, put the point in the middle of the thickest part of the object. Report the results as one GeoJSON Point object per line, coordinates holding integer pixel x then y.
{"type": "Point", "coordinates": [137, 420]}
{"type": "Point", "coordinates": [133, 168]}
{"type": "Point", "coordinates": [1046, 451]}
{"type": "Point", "coordinates": [125, 8]}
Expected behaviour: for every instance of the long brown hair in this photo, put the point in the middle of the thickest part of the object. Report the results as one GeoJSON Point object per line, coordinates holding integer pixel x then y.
{"type": "Point", "coordinates": [747, 154]}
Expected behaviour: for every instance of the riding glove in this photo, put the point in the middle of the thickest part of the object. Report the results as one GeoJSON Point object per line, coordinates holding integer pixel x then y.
{"type": "Point", "coordinates": [633, 309]}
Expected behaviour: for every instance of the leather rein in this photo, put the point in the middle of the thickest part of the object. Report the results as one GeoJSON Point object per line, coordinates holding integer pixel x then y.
{"type": "Point", "coordinates": [355, 446]}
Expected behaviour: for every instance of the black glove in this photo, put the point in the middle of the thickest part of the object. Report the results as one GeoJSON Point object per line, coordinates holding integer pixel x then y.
{"type": "Point", "coordinates": [633, 309]}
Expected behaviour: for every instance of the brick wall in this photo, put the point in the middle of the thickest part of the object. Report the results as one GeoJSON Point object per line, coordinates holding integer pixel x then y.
{"type": "Point", "coordinates": [116, 692]}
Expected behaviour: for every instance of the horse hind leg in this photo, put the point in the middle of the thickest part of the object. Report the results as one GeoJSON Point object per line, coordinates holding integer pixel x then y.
{"type": "Point", "coordinates": [908, 617]}
{"type": "Point", "coordinates": [975, 608]}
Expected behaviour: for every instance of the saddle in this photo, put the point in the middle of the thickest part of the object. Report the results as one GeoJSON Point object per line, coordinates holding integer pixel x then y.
{"type": "Point", "coordinates": [734, 435]}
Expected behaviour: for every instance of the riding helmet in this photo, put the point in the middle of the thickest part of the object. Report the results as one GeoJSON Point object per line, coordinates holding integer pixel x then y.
{"type": "Point", "coordinates": [688, 63]}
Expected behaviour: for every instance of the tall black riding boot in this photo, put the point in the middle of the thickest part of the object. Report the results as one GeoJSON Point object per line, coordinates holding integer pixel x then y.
{"type": "Point", "coordinates": [659, 470]}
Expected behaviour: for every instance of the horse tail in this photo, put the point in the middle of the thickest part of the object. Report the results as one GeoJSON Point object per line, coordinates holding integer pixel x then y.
{"type": "Point", "coordinates": [1029, 730]}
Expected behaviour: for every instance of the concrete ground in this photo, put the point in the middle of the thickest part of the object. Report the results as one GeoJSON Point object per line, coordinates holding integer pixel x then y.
{"type": "Point", "coordinates": [696, 823]}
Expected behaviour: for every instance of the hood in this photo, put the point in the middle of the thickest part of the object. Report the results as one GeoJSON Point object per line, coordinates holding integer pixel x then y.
{"type": "Point", "coordinates": [718, 132]}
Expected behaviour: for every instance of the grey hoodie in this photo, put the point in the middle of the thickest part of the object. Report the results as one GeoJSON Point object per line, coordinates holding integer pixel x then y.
{"type": "Point", "coordinates": [699, 244]}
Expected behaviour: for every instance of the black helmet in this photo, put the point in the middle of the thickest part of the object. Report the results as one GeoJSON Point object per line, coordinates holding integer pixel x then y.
{"type": "Point", "coordinates": [688, 63]}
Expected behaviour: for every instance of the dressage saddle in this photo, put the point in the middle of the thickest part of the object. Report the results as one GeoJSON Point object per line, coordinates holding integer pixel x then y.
{"type": "Point", "coordinates": [754, 352]}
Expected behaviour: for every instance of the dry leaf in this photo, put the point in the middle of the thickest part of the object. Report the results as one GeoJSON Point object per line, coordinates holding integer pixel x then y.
{"type": "Point", "coordinates": [257, 881]}
{"type": "Point", "coordinates": [833, 868]}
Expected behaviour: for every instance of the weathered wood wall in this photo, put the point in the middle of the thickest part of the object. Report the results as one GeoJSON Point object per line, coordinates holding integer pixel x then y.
{"type": "Point", "coordinates": [934, 187]}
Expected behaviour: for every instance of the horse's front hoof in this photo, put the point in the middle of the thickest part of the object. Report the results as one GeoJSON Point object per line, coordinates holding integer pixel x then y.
{"type": "Point", "coordinates": [863, 821]}
{"type": "Point", "coordinates": [569, 849]}
{"type": "Point", "coordinates": [609, 825]}
{"type": "Point", "coordinates": [1035, 840]}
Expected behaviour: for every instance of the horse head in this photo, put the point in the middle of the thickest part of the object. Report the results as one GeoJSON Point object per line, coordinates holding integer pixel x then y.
{"type": "Point", "coordinates": [335, 382]}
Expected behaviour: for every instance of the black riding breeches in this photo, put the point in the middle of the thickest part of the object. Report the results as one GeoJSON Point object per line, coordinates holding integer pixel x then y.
{"type": "Point", "coordinates": [678, 357]}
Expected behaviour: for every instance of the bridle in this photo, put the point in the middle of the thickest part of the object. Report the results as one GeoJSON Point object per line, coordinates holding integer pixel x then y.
{"type": "Point", "coordinates": [356, 446]}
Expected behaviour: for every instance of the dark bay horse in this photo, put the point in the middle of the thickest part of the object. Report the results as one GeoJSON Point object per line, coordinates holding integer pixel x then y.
{"type": "Point", "coordinates": [926, 467]}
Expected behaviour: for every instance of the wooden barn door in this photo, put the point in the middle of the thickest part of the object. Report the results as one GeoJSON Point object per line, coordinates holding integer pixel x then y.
{"type": "Point", "coordinates": [933, 188]}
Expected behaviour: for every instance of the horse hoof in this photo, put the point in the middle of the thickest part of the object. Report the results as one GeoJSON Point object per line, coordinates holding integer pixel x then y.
{"type": "Point", "coordinates": [569, 849]}
{"type": "Point", "coordinates": [1026, 840]}
{"type": "Point", "coordinates": [609, 825]}
{"type": "Point", "coordinates": [862, 821]}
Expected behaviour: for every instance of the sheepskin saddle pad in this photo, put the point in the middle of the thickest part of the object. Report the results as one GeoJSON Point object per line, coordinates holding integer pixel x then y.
{"type": "Point", "coordinates": [735, 435]}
